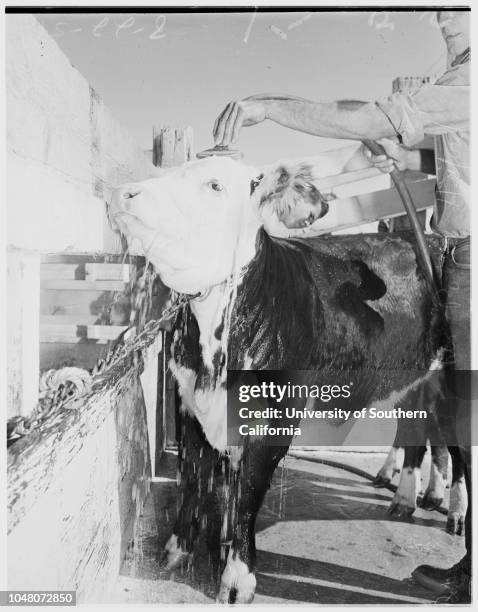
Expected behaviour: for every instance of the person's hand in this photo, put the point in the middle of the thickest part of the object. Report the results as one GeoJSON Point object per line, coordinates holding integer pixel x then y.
{"type": "Point", "coordinates": [235, 116]}
{"type": "Point", "coordinates": [395, 156]}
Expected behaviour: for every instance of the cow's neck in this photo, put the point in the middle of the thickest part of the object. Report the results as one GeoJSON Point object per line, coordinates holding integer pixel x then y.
{"type": "Point", "coordinates": [209, 312]}
{"type": "Point", "coordinates": [279, 307]}
{"type": "Point", "coordinates": [213, 311]}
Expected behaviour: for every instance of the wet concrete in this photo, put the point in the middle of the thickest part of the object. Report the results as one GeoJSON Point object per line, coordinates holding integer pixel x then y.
{"type": "Point", "coordinates": [323, 536]}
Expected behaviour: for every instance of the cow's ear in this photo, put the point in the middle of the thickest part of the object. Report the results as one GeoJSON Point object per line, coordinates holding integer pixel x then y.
{"type": "Point", "coordinates": [256, 182]}
{"type": "Point", "coordinates": [290, 193]}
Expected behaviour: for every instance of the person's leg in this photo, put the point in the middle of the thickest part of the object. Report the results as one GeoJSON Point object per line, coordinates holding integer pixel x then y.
{"type": "Point", "coordinates": [454, 583]}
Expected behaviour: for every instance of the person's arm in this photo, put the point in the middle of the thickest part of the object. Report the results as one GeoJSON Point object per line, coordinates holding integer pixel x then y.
{"type": "Point", "coordinates": [346, 119]}
{"type": "Point", "coordinates": [434, 109]}
{"type": "Point", "coordinates": [397, 156]}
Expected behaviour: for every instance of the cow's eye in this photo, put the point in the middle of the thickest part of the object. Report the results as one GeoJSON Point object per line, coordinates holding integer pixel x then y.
{"type": "Point", "coordinates": [309, 220]}
{"type": "Point", "coordinates": [215, 185]}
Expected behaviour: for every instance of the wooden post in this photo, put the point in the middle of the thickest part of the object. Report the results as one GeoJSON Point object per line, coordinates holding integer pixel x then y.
{"type": "Point", "coordinates": [172, 146]}
{"type": "Point", "coordinates": [23, 330]}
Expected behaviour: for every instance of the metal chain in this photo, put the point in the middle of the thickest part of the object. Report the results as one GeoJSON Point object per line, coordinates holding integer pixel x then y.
{"type": "Point", "coordinates": [57, 398]}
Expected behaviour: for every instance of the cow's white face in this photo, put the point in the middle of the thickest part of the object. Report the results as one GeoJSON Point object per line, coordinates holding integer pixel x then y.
{"type": "Point", "coordinates": [196, 223]}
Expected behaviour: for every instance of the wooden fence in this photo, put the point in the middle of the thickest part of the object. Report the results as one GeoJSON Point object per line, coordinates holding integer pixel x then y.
{"type": "Point", "coordinates": [77, 484]}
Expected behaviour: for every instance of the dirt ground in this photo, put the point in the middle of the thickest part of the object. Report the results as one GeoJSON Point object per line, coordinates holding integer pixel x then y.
{"type": "Point", "coordinates": [323, 536]}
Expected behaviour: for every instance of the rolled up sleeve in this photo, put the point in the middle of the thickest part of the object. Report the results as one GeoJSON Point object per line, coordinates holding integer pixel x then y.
{"type": "Point", "coordinates": [433, 109]}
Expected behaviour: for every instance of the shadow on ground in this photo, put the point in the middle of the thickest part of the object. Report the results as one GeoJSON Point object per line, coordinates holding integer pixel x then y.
{"type": "Point", "coordinates": [323, 536]}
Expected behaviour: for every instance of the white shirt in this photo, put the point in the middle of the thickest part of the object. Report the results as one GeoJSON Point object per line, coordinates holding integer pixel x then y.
{"type": "Point", "coordinates": [414, 114]}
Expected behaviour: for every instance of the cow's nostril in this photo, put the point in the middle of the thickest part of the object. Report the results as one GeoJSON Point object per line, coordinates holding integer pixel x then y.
{"type": "Point", "coordinates": [131, 193]}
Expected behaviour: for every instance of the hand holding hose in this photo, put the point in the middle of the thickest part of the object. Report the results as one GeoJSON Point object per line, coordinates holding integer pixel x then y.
{"type": "Point", "coordinates": [395, 156]}
{"type": "Point", "coordinates": [424, 255]}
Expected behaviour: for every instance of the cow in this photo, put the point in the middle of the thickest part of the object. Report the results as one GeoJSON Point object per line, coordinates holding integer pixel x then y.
{"type": "Point", "coordinates": [438, 479]}
{"type": "Point", "coordinates": [320, 305]}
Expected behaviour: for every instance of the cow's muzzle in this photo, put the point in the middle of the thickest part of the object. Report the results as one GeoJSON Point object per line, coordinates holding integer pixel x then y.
{"type": "Point", "coordinates": [121, 204]}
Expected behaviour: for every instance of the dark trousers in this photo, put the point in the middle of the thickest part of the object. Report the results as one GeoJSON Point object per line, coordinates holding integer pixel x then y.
{"type": "Point", "coordinates": [456, 283]}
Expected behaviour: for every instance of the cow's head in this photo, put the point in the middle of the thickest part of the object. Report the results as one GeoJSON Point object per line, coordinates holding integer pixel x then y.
{"type": "Point", "coordinates": [198, 223]}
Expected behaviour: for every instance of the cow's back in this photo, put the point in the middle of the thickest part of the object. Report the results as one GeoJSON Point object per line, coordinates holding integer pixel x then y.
{"type": "Point", "coordinates": [337, 303]}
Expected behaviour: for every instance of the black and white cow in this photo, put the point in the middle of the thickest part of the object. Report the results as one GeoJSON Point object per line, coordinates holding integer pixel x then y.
{"type": "Point", "coordinates": [403, 453]}
{"type": "Point", "coordinates": [322, 305]}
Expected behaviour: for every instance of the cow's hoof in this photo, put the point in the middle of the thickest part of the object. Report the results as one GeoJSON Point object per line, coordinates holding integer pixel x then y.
{"type": "Point", "coordinates": [401, 508]}
{"type": "Point", "coordinates": [384, 477]}
{"type": "Point", "coordinates": [457, 508]}
{"type": "Point", "coordinates": [380, 481]}
{"type": "Point", "coordinates": [455, 524]}
{"type": "Point", "coordinates": [238, 584]}
{"type": "Point", "coordinates": [174, 556]}
{"type": "Point", "coordinates": [431, 501]}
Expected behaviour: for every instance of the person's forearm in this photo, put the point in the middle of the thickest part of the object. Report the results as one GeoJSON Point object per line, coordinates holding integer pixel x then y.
{"type": "Point", "coordinates": [343, 119]}
{"type": "Point", "coordinates": [422, 160]}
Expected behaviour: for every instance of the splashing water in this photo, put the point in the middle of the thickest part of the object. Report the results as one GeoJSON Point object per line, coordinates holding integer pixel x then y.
{"type": "Point", "coordinates": [282, 493]}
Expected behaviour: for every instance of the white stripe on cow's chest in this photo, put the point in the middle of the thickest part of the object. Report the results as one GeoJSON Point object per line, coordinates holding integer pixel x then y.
{"type": "Point", "coordinates": [209, 314]}
{"type": "Point", "coordinates": [207, 404]}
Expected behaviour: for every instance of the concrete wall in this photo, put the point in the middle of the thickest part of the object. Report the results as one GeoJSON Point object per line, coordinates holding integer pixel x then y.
{"type": "Point", "coordinates": [76, 485]}
{"type": "Point", "coordinates": [65, 150]}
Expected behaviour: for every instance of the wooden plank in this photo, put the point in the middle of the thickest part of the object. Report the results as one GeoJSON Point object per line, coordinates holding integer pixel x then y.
{"type": "Point", "coordinates": [23, 310]}
{"type": "Point", "coordinates": [361, 186]}
{"type": "Point", "coordinates": [61, 271]}
{"type": "Point", "coordinates": [81, 258]}
{"type": "Point", "coordinates": [104, 332]}
{"type": "Point", "coordinates": [108, 271]}
{"type": "Point", "coordinates": [81, 355]}
{"type": "Point", "coordinates": [72, 303]}
{"type": "Point", "coordinates": [83, 285]}
{"type": "Point", "coordinates": [79, 319]}
{"type": "Point", "coordinates": [327, 183]}
{"type": "Point", "coordinates": [59, 337]}
{"type": "Point", "coordinates": [76, 333]}
{"type": "Point", "coordinates": [90, 271]}
{"type": "Point", "coordinates": [71, 518]}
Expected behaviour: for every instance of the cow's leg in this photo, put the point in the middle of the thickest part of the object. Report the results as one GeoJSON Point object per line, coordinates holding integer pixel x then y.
{"type": "Point", "coordinates": [196, 460]}
{"type": "Point", "coordinates": [180, 545]}
{"type": "Point", "coordinates": [404, 501]}
{"type": "Point", "coordinates": [458, 493]}
{"type": "Point", "coordinates": [435, 492]}
{"type": "Point", "coordinates": [393, 464]}
{"type": "Point", "coordinates": [217, 515]}
{"type": "Point", "coordinates": [448, 419]}
{"type": "Point", "coordinates": [414, 435]}
{"type": "Point", "coordinates": [258, 463]}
